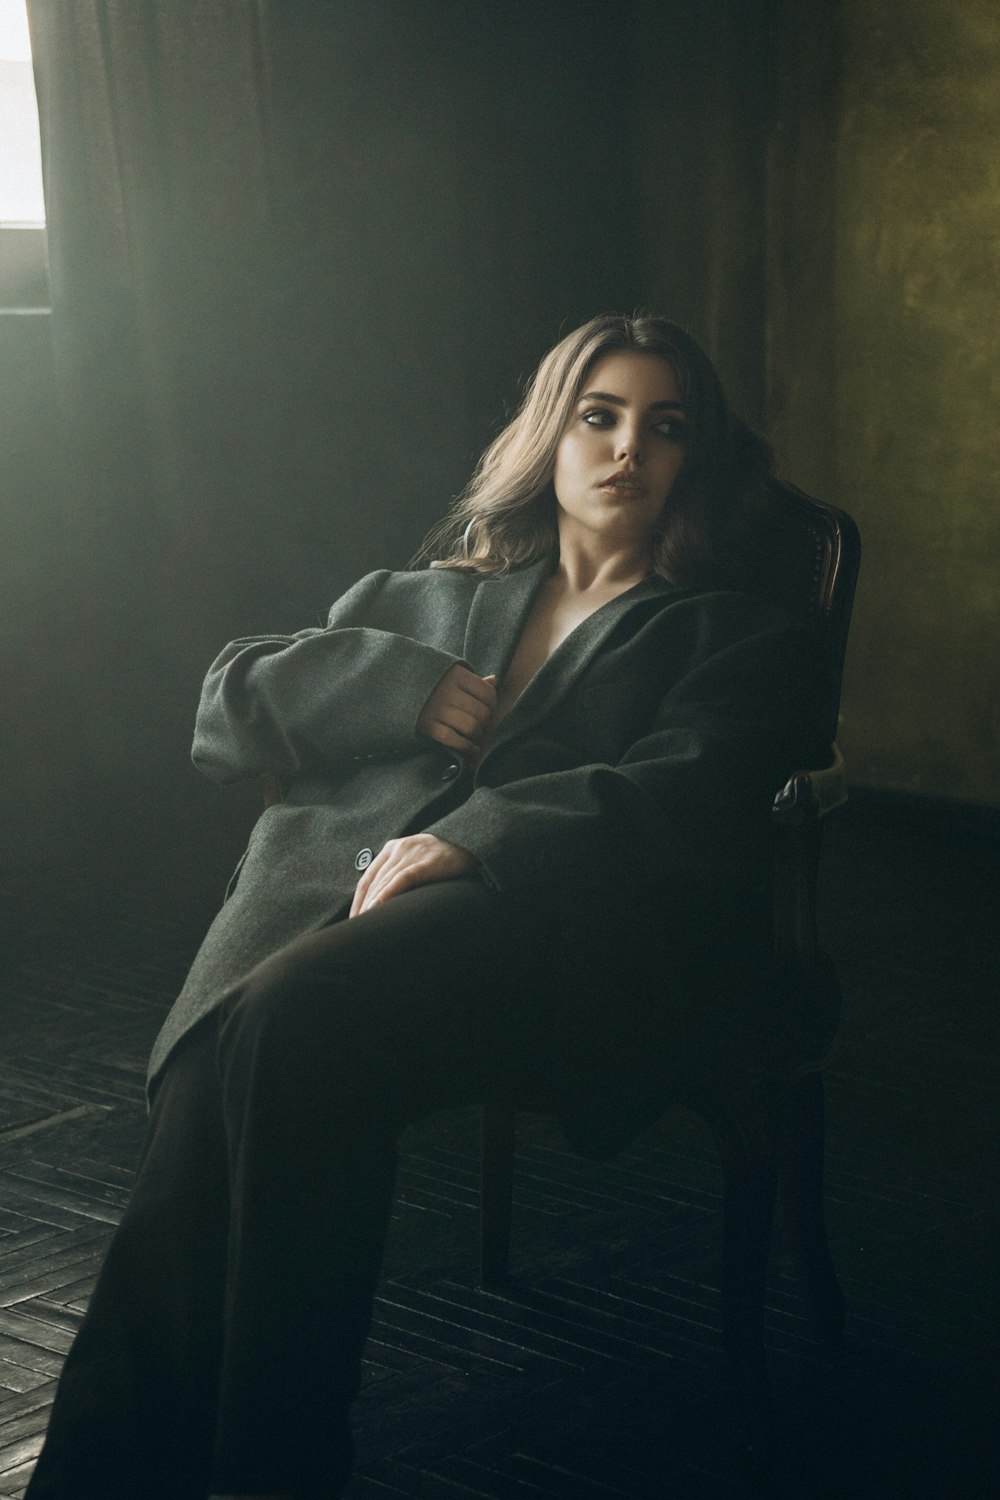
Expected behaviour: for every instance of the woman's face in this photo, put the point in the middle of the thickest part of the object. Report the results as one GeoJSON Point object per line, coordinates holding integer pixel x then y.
{"type": "Point", "coordinates": [622, 451]}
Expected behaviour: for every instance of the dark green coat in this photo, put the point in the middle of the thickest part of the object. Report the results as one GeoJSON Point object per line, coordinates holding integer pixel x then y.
{"type": "Point", "coordinates": [633, 777]}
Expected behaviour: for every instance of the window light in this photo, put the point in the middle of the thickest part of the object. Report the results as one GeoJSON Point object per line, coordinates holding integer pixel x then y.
{"type": "Point", "coordinates": [21, 200]}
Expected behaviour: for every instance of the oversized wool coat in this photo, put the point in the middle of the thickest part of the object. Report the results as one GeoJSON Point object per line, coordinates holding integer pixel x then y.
{"type": "Point", "coordinates": [631, 781]}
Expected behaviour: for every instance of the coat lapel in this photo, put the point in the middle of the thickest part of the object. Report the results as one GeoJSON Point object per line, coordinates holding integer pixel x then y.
{"type": "Point", "coordinates": [564, 666]}
{"type": "Point", "coordinates": [499, 609]}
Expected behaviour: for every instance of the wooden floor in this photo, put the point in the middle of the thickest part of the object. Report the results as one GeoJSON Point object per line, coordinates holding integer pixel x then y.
{"type": "Point", "coordinates": [600, 1374]}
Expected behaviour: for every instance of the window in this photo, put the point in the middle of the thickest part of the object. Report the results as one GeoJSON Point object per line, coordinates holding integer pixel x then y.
{"type": "Point", "coordinates": [21, 199]}
{"type": "Point", "coordinates": [23, 279]}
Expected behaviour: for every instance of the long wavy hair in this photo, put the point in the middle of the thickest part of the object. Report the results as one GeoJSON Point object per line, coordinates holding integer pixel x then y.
{"type": "Point", "coordinates": [506, 516]}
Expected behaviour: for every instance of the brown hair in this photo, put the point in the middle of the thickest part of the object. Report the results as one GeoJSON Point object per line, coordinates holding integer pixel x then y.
{"type": "Point", "coordinates": [506, 516]}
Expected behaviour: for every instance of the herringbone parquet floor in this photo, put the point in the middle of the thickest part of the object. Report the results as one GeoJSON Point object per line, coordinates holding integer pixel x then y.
{"type": "Point", "coordinates": [600, 1373]}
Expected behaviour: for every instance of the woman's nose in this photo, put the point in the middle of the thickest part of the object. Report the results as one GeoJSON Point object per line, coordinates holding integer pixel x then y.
{"type": "Point", "coordinates": [629, 447]}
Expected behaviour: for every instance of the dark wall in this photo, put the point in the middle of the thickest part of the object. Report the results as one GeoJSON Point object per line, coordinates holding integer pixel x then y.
{"type": "Point", "coordinates": [460, 182]}
{"type": "Point", "coordinates": [885, 364]}
{"type": "Point", "coordinates": [704, 108]}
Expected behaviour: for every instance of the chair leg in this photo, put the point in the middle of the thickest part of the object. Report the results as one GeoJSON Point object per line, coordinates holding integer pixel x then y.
{"type": "Point", "coordinates": [748, 1219]}
{"type": "Point", "coordinates": [497, 1181]}
{"type": "Point", "coordinates": [800, 1177]}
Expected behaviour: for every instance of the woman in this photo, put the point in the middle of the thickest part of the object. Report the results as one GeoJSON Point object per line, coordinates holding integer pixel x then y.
{"type": "Point", "coordinates": [521, 853]}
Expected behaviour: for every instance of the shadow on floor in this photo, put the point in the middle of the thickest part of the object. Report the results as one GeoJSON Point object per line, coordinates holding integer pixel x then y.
{"type": "Point", "coordinates": [600, 1372]}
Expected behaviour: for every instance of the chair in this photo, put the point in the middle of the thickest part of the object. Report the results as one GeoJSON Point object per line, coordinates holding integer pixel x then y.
{"type": "Point", "coordinates": [770, 1138]}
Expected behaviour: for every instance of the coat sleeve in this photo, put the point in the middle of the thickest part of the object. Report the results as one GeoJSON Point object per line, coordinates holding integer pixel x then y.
{"type": "Point", "coordinates": [292, 703]}
{"type": "Point", "coordinates": [690, 799]}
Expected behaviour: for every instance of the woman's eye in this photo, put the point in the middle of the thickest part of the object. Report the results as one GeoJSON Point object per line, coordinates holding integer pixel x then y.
{"type": "Point", "coordinates": [597, 417]}
{"type": "Point", "coordinates": [670, 428]}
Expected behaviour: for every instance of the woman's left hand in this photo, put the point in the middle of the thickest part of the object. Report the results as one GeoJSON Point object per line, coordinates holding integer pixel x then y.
{"type": "Point", "coordinates": [403, 864]}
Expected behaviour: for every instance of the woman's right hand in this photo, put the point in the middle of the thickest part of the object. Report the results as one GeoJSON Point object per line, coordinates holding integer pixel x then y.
{"type": "Point", "coordinates": [460, 710]}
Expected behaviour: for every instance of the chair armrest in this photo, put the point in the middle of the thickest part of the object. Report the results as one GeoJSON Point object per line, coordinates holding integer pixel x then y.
{"type": "Point", "coordinates": [810, 795]}
{"type": "Point", "coordinates": [796, 815]}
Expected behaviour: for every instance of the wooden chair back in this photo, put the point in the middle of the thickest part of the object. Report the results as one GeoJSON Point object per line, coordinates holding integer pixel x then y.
{"type": "Point", "coordinates": [806, 558]}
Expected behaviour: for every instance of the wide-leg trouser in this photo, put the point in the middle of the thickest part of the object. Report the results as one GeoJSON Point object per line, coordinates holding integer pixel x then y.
{"type": "Point", "coordinates": [223, 1341]}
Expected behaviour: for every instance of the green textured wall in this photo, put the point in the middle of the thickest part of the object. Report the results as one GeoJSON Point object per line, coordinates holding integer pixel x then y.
{"type": "Point", "coordinates": [885, 375]}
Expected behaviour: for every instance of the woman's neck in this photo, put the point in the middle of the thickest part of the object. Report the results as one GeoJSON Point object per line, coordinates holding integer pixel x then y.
{"type": "Point", "coordinates": [593, 562]}
{"type": "Point", "coordinates": [584, 571]}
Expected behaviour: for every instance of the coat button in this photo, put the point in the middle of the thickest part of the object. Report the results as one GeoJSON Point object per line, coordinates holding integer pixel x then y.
{"type": "Point", "coordinates": [363, 859]}
{"type": "Point", "coordinates": [451, 770]}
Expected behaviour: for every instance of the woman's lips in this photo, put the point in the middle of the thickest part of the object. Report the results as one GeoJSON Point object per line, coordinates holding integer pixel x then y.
{"type": "Point", "coordinates": [623, 486]}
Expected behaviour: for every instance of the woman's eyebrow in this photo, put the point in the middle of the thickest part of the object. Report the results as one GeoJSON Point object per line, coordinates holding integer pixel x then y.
{"type": "Point", "coordinates": [620, 401]}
